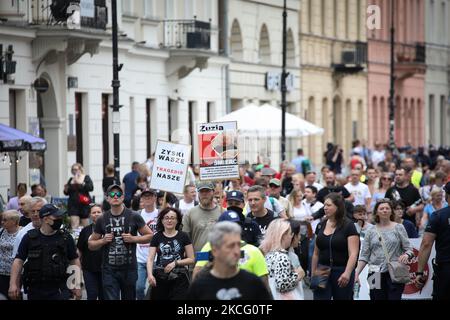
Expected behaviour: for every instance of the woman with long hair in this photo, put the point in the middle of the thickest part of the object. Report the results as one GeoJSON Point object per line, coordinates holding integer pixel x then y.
{"type": "Point", "coordinates": [283, 277]}
{"type": "Point", "coordinates": [78, 188]}
{"type": "Point", "coordinates": [335, 253]}
{"type": "Point", "coordinates": [389, 236]}
{"type": "Point", "coordinates": [168, 275]}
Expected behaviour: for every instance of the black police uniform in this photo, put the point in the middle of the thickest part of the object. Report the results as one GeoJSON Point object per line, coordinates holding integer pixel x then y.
{"type": "Point", "coordinates": [46, 260]}
{"type": "Point", "coordinates": [439, 224]}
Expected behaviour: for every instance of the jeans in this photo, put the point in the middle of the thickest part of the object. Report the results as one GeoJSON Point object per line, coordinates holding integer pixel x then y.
{"type": "Point", "coordinates": [333, 290]}
{"type": "Point", "coordinates": [94, 286]}
{"type": "Point", "coordinates": [312, 243]}
{"type": "Point", "coordinates": [141, 280]}
{"type": "Point", "coordinates": [119, 284]}
{"type": "Point", "coordinates": [388, 290]}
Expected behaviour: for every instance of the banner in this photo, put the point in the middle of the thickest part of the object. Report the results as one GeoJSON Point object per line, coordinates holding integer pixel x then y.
{"type": "Point", "coordinates": [170, 166]}
{"type": "Point", "coordinates": [218, 147]}
{"type": "Point", "coordinates": [410, 292]}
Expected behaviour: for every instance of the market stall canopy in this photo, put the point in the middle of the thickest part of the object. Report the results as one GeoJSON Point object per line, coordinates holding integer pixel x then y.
{"type": "Point", "coordinates": [12, 139]}
{"type": "Point", "coordinates": [265, 121]}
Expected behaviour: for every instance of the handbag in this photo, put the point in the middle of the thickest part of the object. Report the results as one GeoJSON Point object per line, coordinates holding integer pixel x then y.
{"type": "Point", "coordinates": [319, 279]}
{"type": "Point", "coordinates": [83, 199]}
{"type": "Point", "coordinates": [398, 271]}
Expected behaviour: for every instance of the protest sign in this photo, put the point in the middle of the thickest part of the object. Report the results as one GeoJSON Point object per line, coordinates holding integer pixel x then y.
{"type": "Point", "coordinates": [170, 166]}
{"type": "Point", "coordinates": [218, 150]}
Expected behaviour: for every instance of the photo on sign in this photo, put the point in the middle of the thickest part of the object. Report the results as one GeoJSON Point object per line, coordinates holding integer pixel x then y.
{"type": "Point", "coordinates": [225, 145]}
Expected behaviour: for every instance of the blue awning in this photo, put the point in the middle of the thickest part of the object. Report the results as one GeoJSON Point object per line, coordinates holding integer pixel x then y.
{"type": "Point", "coordinates": [12, 139]}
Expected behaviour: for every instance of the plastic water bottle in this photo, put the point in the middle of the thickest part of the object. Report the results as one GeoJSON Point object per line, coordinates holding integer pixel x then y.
{"type": "Point", "coordinates": [356, 291]}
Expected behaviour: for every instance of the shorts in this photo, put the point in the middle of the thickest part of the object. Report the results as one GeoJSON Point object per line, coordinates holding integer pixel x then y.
{"type": "Point", "coordinates": [82, 212]}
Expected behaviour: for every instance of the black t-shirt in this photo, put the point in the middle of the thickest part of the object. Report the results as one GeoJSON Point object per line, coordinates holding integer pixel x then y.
{"type": "Point", "coordinates": [107, 181]}
{"type": "Point", "coordinates": [263, 222]}
{"type": "Point", "coordinates": [22, 252]}
{"type": "Point", "coordinates": [439, 224]}
{"type": "Point", "coordinates": [119, 254]}
{"type": "Point", "coordinates": [23, 221]}
{"type": "Point", "coordinates": [169, 249]}
{"type": "Point", "coordinates": [408, 195]}
{"type": "Point", "coordinates": [339, 243]}
{"type": "Point", "coordinates": [90, 260]}
{"type": "Point", "coordinates": [327, 190]}
{"type": "Point", "coordinates": [243, 286]}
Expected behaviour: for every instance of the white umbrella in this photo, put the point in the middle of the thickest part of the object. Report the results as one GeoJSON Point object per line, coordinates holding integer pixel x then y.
{"type": "Point", "coordinates": [265, 121]}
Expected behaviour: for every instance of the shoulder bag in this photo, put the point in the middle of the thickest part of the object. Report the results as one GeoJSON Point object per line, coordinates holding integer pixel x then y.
{"type": "Point", "coordinates": [319, 279]}
{"type": "Point", "coordinates": [398, 271]}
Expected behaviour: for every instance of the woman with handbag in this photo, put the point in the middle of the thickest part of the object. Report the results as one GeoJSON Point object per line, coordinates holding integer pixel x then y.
{"type": "Point", "coordinates": [386, 249]}
{"type": "Point", "coordinates": [168, 274]}
{"type": "Point", "coordinates": [284, 278]}
{"type": "Point", "coordinates": [335, 253]}
{"type": "Point", "coordinates": [78, 188]}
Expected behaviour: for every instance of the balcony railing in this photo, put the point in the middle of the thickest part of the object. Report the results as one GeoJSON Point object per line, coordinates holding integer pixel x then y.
{"type": "Point", "coordinates": [349, 57]}
{"type": "Point", "coordinates": [405, 53]}
{"type": "Point", "coordinates": [187, 34]}
{"type": "Point", "coordinates": [92, 13]}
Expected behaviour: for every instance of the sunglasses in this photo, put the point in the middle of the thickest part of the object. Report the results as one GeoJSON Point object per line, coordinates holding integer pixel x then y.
{"type": "Point", "coordinates": [112, 194]}
{"type": "Point", "coordinates": [385, 178]}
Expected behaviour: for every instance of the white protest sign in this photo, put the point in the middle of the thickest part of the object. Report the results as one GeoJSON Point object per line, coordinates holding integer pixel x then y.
{"type": "Point", "coordinates": [170, 166]}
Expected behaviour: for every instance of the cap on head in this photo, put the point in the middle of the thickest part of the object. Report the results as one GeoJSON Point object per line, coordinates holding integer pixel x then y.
{"type": "Point", "coordinates": [114, 186]}
{"type": "Point", "coordinates": [50, 210]}
{"type": "Point", "coordinates": [235, 195]}
{"type": "Point", "coordinates": [275, 182]}
{"type": "Point", "coordinates": [205, 185]}
{"type": "Point", "coordinates": [268, 171]}
{"type": "Point", "coordinates": [229, 215]}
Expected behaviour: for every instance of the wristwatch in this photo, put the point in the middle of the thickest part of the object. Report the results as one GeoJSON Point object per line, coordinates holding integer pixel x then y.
{"type": "Point", "coordinates": [176, 263]}
{"type": "Point", "coordinates": [419, 273]}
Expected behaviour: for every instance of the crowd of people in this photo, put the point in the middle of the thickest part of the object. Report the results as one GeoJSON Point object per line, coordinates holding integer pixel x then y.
{"type": "Point", "coordinates": [267, 235]}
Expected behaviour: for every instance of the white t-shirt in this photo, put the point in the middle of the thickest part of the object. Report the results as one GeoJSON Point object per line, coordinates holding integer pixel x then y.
{"type": "Point", "coordinates": [306, 210]}
{"type": "Point", "coordinates": [19, 237]}
{"type": "Point", "coordinates": [185, 207]}
{"type": "Point", "coordinates": [150, 219]}
{"type": "Point", "coordinates": [377, 157]}
{"type": "Point", "coordinates": [360, 192]}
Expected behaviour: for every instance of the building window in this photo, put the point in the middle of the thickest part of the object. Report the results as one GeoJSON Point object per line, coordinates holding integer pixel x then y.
{"type": "Point", "coordinates": [264, 45]}
{"type": "Point", "coordinates": [236, 41]}
{"type": "Point", "coordinates": [323, 18]}
{"type": "Point", "coordinates": [149, 9]}
{"type": "Point", "coordinates": [310, 16]}
{"type": "Point", "coordinates": [431, 118]}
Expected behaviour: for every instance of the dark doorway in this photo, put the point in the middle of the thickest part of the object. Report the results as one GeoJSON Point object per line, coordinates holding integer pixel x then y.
{"type": "Point", "coordinates": [79, 126]}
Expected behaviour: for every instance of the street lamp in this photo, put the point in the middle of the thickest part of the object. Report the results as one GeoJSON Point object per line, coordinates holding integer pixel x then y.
{"type": "Point", "coordinates": [115, 85]}
{"type": "Point", "coordinates": [283, 88]}
{"type": "Point", "coordinates": [392, 89]}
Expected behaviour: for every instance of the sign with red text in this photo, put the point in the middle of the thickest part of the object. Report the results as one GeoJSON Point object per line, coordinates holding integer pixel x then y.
{"type": "Point", "coordinates": [217, 144]}
{"type": "Point", "coordinates": [170, 166]}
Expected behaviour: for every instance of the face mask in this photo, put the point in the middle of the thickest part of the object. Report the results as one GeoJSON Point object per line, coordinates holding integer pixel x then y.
{"type": "Point", "coordinates": [56, 224]}
{"type": "Point", "coordinates": [235, 209]}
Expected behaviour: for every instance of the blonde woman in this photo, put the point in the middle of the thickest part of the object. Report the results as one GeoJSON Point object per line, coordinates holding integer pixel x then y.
{"type": "Point", "coordinates": [283, 277]}
{"type": "Point", "coordinates": [78, 188]}
{"type": "Point", "coordinates": [8, 234]}
{"type": "Point", "coordinates": [437, 203]}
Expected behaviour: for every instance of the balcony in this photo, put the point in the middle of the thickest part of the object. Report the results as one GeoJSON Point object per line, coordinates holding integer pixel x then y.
{"type": "Point", "coordinates": [409, 60]}
{"type": "Point", "coordinates": [349, 57]}
{"type": "Point", "coordinates": [187, 34]}
{"type": "Point", "coordinates": [189, 45]}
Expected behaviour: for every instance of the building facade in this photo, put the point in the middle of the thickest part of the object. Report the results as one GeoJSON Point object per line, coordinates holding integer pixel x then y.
{"type": "Point", "coordinates": [333, 73]}
{"type": "Point", "coordinates": [255, 49]}
{"type": "Point", "coordinates": [410, 69]}
{"type": "Point", "coordinates": [437, 79]}
{"type": "Point", "coordinates": [173, 75]}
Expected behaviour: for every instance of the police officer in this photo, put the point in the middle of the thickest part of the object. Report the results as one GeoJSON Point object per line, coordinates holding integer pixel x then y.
{"type": "Point", "coordinates": [47, 253]}
{"type": "Point", "coordinates": [251, 233]}
{"type": "Point", "coordinates": [438, 229]}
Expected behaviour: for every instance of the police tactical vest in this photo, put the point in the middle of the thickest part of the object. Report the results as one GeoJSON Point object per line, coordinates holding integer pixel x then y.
{"type": "Point", "coordinates": [46, 262]}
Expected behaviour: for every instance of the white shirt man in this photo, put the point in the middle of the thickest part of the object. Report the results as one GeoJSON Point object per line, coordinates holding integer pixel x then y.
{"type": "Point", "coordinates": [188, 201]}
{"type": "Point", "coordinates": [360, 191]}
{"type": "Point", "coordinates": [378, 154]}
